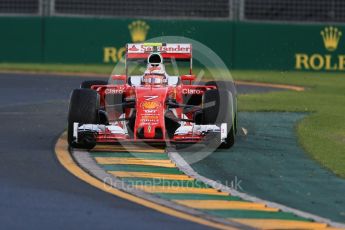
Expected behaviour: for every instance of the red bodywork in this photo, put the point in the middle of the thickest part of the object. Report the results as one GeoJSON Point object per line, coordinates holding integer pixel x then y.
{"type": "Point", "coordinates": [149, 101]}
{"type": "Point", "coordinates": [150, 108]}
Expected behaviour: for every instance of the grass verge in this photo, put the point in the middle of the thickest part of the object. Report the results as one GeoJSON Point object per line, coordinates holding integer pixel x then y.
{"type": "Point", "coordinates": [321, 134]}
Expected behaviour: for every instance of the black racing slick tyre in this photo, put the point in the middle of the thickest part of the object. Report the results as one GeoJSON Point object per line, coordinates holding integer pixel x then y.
{"type": "Point", "coordinates": [228, 86]}
{"type": "Point", "coordinates": [83, 108]}
{"type": "Point", "coordinates": [88, 84]}
{"type": "Point", "coordinates": [218, 108]}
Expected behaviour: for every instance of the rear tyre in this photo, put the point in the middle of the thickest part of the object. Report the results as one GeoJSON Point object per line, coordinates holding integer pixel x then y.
{"type": "Point", "coordinates": [88, 84]}
{"type": "Point", "coordinates": [218, 108]}
{"type": "Point", "coordinates": [83, 108]}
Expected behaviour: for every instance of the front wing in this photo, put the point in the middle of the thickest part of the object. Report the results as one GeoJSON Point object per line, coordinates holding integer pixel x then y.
{"type": "Point", "coordinates": [112, 133]}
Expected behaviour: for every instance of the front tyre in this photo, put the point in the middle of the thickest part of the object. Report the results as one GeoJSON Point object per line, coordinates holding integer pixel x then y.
{"type": "Point", "coordinates": [83, 109]}
{"type": "Point", "coordinates": [231, 87]}
{"type": "Point", "coordinates": [218, 108]}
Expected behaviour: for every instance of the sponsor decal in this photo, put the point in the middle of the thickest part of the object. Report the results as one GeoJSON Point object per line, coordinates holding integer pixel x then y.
{"type": "Point", "coordinates": [133, 48]}
{"type": "Point", "coordinates": [162, 48]}
{"type": "Point", "coordinates": [330, 36]}
{"type": "Point", "coordinates": [149, 119]}
{"type": "Point", "coordinates": [169, 48]}
{"type": "Point", "coordinates": [192, 91]}
{"type": "Point", "coordinates": [148, 98]}
{"type": "Point", "coordinates": [150, 104]}
{"type": "Point", "coordinates": [113, 91]}
{"type": "Point", "coordinates": [150, 111]}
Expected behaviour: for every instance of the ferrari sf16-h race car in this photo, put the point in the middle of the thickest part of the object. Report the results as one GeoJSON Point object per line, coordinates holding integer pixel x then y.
{"type": "Point", "coordinates": [147, 105]}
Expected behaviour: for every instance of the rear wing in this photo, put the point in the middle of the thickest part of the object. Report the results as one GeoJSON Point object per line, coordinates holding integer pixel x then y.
{"type": "Point", "coordinates": [177, 51]}
{"type": "Point", "coordinates": [167, 50]}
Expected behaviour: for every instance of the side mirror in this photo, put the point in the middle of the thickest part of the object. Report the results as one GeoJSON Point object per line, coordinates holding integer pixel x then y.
{"type": "Point", "coordinates": [188, 77]}
{"type": "Point", "coordinates": [119, 79]}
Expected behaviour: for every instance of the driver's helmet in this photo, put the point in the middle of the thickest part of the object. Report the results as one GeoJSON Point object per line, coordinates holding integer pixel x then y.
{"type": "Point", "coordinates": [155, 74]}
{"type": "Point", "coordinates": [155, 68]}
{"type": "Point", "coordinates": [154, 79]}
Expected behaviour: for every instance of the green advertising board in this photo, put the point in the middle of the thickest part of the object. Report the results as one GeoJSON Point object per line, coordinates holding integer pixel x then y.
{"type": "Point", "coordinates": [289, 47]}
{"type": "Point", "coordinates": [103, 40]}
{"type": "Point", "coordinates": [21, 39]}
{"type": "Point", "coordinates": [240, 45]}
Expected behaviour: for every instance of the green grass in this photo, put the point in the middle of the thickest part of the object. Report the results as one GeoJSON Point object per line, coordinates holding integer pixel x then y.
{"type": "Point", "coordinates": [321, 134]}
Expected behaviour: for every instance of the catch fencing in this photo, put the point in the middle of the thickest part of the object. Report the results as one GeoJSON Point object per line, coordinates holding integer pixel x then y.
{"type": "Point", "coordinates": [296, 11]}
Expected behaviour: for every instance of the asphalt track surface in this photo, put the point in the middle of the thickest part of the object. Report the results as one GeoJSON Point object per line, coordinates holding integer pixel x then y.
{"type": "Point", "coordinates": [36, 192]}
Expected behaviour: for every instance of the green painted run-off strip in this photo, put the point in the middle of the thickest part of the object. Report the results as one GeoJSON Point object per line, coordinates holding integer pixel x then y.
{"type": "Point", "coordinates": [255, 214]}
{"type": "Point", "coordinates": [164, 182]}
{"type": "Point", "coordinates": [141, 168]}
{"type": "Point", "coordinates": [160, 156]}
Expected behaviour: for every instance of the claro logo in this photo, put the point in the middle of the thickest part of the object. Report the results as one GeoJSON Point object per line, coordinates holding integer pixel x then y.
{"type": "Point", "coordinates": [113, 91]}
{"type": "Point", "coordinates": [192, 91]}
{"type": "Point", "coordinates": [330, 37]}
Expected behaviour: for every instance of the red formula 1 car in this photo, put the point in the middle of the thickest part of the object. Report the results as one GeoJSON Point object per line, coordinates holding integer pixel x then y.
{"type": "Point", "coordinates": [147, 104]}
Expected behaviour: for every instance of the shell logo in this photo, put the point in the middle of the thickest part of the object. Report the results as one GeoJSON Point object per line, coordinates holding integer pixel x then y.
{"type": "Point", "coordinates": [150, 104]}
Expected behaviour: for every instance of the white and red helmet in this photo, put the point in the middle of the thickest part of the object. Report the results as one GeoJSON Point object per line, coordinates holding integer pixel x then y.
{"type": "Point", "coordinates": [155, 71]}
